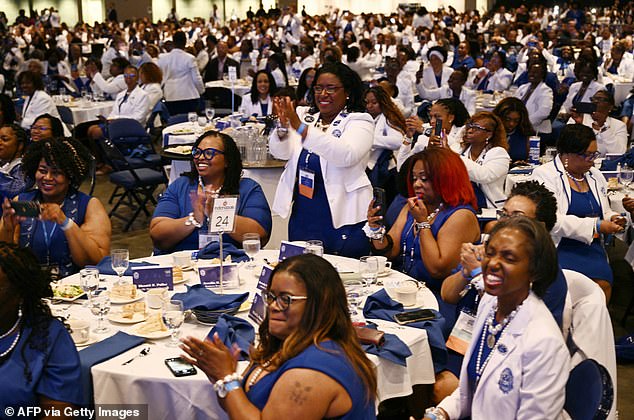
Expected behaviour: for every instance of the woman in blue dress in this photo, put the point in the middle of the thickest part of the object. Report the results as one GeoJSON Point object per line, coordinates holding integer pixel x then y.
{"type": "Point", "coordinates": [584, 212]}
{"type": "Point", "coordinates": [517, 125]}
{"type": "Point", "coordinates": [308, 363]}
{"type": "Point", "coordinates": [73, 229]}
{"type": "Point", "coordinates": [39, 364]}
{"type": "Point", "coordinates": [179, 216]}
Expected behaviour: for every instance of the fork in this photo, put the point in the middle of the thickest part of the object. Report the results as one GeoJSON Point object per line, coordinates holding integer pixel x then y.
{"type": "Point", "coordinates": [144, 352]}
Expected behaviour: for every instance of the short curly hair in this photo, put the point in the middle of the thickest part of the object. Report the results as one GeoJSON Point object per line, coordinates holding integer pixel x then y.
{"type": "Point", "coordinates": [66, 154]}
{"type": "Point", "coordinates": [544, 199]}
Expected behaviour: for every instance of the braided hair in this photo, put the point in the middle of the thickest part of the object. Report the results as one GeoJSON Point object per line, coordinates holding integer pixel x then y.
{"type": "Point", "coordinates": [67, 154]}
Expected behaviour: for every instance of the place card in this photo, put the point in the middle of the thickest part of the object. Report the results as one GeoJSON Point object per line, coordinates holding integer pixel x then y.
{"type": "Point", "coordinates": [288, 249]}
{"type": "Point", "coordinates": [224, 214]}
{"type": "Point", "coordinates": [152, 277]}
{"type": "Point", "coordinates": [258, 310]}
{"type": "Point", "coordinates": [265, 277]}
{"type": "Point", "coordinates": [210, 275]}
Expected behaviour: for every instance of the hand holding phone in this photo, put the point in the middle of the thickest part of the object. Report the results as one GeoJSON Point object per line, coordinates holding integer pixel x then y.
{"type": "Point", "coordinates": [380, 201]}
{"type": "Point", "coordinates": [585, 107]}
{"type": "Point", "coordinates": [180, 367]}
{"type": "Point", "coordinates": [26, 208]}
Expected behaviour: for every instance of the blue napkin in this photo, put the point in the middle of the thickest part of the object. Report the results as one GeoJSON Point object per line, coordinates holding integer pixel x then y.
{"type": "Point", "coordinates": [99, 352]}
{"type": "Point", "coordinates": [521, 170]}
{"type": "Point", "coordinates": [381, 306]}
{"type": "Point", "coordinates": [392, 349]}
{"type": "Point", "coordinates": [198, 297]}
{"type": "Point", "coordinates": [212, 250]}
{"type": "Point", "coordinates": [233, 330]}
{"type": "Point", "coordinates": [105, 266]}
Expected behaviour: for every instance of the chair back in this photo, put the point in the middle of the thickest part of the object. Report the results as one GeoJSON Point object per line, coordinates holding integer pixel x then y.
{"type": "Point", "coordinates": [160, 110]}
{"type": "Point", "coordinates": [589, 391]}
{"type": "Point", "coordinates": [112, 155]}
{"type": "Point", "coordinates": [176, 119]}
{"type": "Point", "coordinates": [66, 115]}
{"type": "Point", "coordinates": [220, 99]}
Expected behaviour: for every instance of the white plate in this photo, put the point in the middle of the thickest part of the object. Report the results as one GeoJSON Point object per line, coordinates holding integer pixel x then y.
{"type": "Point", "coordinates": [91, 340]}
{"type": "Point", "coordinates": [152, 336]}
{"type": "Point", "coordinates": [140, 295]}
{"type": "Point", "coordinates": [354, 275]}
{"type": "Point", "coordinates": [66, 299]}
{"type": "Point", "coordinates": [136, 318]}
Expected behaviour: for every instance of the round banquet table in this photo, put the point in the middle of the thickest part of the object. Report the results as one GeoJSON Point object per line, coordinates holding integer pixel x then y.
{"type": "Point", "coordinates": [148, 381]}
{"type": "Point", "coordinates": [83, 112]}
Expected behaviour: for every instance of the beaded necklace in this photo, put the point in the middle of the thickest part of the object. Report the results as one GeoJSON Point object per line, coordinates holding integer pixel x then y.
{"type": "Point", "coordinates": [258, 371]}
{"type": "Point", "coordinates": [15, 341]}
{"type": "Point", "coordinates": [407, 268]}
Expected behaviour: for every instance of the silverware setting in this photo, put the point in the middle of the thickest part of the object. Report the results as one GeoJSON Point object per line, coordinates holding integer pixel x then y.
{"type": "Point", "coordinates": [144, 352]}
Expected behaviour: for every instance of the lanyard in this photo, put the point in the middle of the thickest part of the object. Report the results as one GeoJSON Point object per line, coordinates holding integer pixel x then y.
{"type": "Point", "coordinates": [47, 240]}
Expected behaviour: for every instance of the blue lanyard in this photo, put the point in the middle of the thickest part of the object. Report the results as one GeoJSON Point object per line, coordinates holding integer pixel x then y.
{"type": "Point", "coordinates": [47, 240]}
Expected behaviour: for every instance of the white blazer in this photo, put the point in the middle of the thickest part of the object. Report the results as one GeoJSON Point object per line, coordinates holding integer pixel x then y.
{"type": "Point", "coordinates": [500, 80]}
{"type": "Point", "coordinates": [367, 64]}
{"type": "Point", "coordinates": [154, 93]}
{"type": "Point", "coordinates": [34, 106]}
{"type": "Point", "coordinates": [406, 150]}
{"type": "Point", "coordinates": [489, 171]}
{"type": "Point", "coordinates": [112, 86]}
{"type": "Point", "coordinates": [526, 375]}
{"type": "Point", "coordinates": [467, 96]}
{"type": "Point", "coordinates": [385, 137]}
{"type": "Point", "coordinates": [428, 81]}
{"type": "Point", "coordinates": [181, 78]}
{"type": "Point", "coordinates": [554, 178]}
{"type": "Point", "coordinates": [249, 108]}
{"type": "Point", "coordinates": [611, 138]}
{"type": "Point", "coordinates": [538, 105]}
{"type": "Point", "coordinates": [135, 106]}
{"type": "Point", "coordinates": [593, 88]}
{"type": "Point", "coordinates": [343, 151]}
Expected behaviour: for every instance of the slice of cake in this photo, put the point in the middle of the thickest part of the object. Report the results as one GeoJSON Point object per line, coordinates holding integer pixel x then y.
{"type": "Point", "coordinates": [130, 309]}
{"type": "Point", "coordinates": [177, 274]}
{"type": "Point", "coordinates": [153, 324]}
{"type": "Point", "coordinates": [123, 292]}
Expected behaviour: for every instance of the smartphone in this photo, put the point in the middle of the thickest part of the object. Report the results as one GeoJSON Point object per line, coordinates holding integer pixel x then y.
{"type": "Point", "coordinates": [180, 367]}
{"type": "Point", "coordinates": [438, 127]}
{"type": "Point", "coordinates": [404, 318]}
{"type": "Point", "coordinates": [380, 200]}
{"type": "Point", "coordinates": [585, 107]}
{"type": "Point", "coordinates": [26, 208]}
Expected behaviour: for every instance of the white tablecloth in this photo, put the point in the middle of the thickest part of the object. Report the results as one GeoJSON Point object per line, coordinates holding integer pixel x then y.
{"type": "Point", "coordinates": [178, 167]}
{"type": "Point", "coordinates": [89, 112]}
{"type": "Point", "coordinates": [148, 381]}
{"type": "Point", "coordinates": [240, 87]}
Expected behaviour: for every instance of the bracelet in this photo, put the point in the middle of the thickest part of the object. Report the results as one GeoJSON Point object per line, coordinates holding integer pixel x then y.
{"type": "Point", "coordinates": [374, 233]}
{"type": "Point", "coordinates": [390, 244]}
{"type": "Point", "coordinates": [67, 224]}
{"type": "Point", "coordinates": [597, 228]}
{"type": "Point", "coordinates": [435, 413]}
{"type": "Point", "coordinates": [300, 130]}
{"type": "Point", "coordinates": [422, 225]}
{"type": "Point", "coordinates": [227, 384]}
{"type": "Point", "coordinates": [191, 221]}
{"type": "Point", "coordinates": [407, 140]}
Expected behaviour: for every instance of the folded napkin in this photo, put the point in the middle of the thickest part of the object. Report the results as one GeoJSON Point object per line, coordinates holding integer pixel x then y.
{"type": "Point", "coordinates": [233, 330]}
{"type": "Point", "coordinates": [198, 297]}
{"type": "Point", "coordinates": [521, 170]}
{"type": "Point", "coordinates": [99, 352]}
{"type": "Point", "coordinates": [381, 306]}
{"type": "Point", "coordinates": [212, 250]}
{"type": "Point", "coordinates": [392, 349]}
{"type": "Point", "coordinates": [105, 266]}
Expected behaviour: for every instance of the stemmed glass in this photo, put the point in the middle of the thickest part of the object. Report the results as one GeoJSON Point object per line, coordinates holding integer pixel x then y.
{"type": "Point", "coordinates": [89, 282]}
{"type": "Point", "coordinates": [210, 113]}
{"type": "Point", "coordinates": [369, 270]}
{"type": "Point", "coordinates": [173, 316]}
{"type": "Point", "coordinates": [626, 176]}
{"type": "Point", "coordinates": [354, 293]}
{"type": "Point", "coordinates": [120, 260]}
{"type": "Point", "coordinates": [315, 247]}
{"type": "Point", "coordinates": [251, 245]}
{"type": "Point", "coordinates": [100, 305]}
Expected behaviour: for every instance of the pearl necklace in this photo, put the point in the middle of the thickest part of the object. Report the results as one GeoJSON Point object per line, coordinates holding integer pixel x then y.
{"type": "Point", "coordinates": [208, 188]}
{"type": "Point", "coordinates": [257, 372]}
{"type": "Point", "coordinates": [17, 322]}
{"type": "Point", "coordinates": [569, 175]}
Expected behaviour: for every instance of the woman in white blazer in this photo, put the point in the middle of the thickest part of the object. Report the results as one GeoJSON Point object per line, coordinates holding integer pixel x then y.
{"type": "Point", "coordinates": [517, 363]}
{"type": "Point", "coordinates": [583, 209]}
{"type": "Point", "coordinates": [484, 151]}
{"type": "Point", "coordinates": [537, 97]}
{"type": "Point", "coordinates": [493, 77]}
{"type": "Point", "coordinates": [258, 100]}
{"type": "Point", "coordinates": [437, 74]}
{"type": "Point", "coordinates": [587, 85]}
{"type": "Point", "coordinates": [324, 188]}
{"type": "Point", "coordinates": [38, 102]}
{"type": "Point", "coordinates": [150, 76]}
{"type": "Point", "coordinates": [454, 88]}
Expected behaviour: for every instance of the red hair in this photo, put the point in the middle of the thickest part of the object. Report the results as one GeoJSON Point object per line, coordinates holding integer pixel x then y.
{"type": "Point", "coordinates": [448, 176]}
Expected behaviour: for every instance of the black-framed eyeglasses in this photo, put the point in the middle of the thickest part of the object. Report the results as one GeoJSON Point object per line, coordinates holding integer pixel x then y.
{"type": "Point", "coordinates": [502, 214]}
{"type": "Point", "coordinates": [207, 153]}
{"type": "Point", "coordinates": [329, 90]}
{"type": "Point", "coordinates": [477, 126]}
{"type": "Point", "coordinates": [589, 156]}
{"type": "Point", "coordinates": [282, 301]}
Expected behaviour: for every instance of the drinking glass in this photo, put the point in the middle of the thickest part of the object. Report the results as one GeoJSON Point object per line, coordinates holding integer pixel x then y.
{"type": "Point", "coordinates": [626, 176]}
{"type": "Point", "coordinates": [354, 294]}
{"type": "Point", "coordinates": [369, 270]}
{"type": "Point", "coordinates": [314, 247]}
{"type": "Point", "coordinates": [251, 245]}
{"type": "Point", "coordinates": [120, 260]}
{"type": "Point", "coordinates": [210, 113]}
{"type": "Point", "coordinates": [100, 306]}
{"type": "Point", "coordinates": [192, 117]}
{"type": "Point", "coordinates": [89, 282]}
{"type": "Point", "coordinates": [173, 316]}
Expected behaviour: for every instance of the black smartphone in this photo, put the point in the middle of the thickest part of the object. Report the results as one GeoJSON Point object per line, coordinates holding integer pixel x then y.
{"type": "Point", "coordinates": [438, 127]}
{"type": "Point", "coordinates": [180, 367]}
{"type": "Point", "coordinates": [405, 318]}
{"type": "Point", "coordinates": [380, 200]}
{"type": "Point", "coordinates": [585, 107]}
{"type": "Point", "coordinates": [26, 208]}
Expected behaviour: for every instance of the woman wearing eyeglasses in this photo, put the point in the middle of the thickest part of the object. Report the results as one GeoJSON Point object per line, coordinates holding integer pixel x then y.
{"type": "Point", "coordinates": [583, 209]}
{"type": "Point", "coordinates": [308, 363]}
{"type": "Point", "coordinates": [324, 188]}
{"type": "Point", "coordinates": [181, 212]}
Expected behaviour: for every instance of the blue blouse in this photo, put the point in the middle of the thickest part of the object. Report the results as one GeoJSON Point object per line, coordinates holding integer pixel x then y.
{"type": "Point", "coordinates": [175, 203]}
{"type": "Point", "coordinates": [331, 361]}
{"type": "Point", "coordinates": [54, 370]}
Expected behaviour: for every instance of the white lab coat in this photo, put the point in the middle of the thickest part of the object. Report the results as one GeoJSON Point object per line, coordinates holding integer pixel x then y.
{"type": "Point", "coordinates": [405, 85]}
{"type": "Point", "coordinates": [367, 64]}
{"type": "Point", "coordinates": [554, 178]}
{"type": "Point", "coordinates": [154, 93]}
{"type": "Point", "coordinates": [136, 106]}
{"type": "Point", "coordinates": [489, 171]}
{"type": "Point", "coordinates": [385, 137]}
{"type": "Point", "coordinates": [538, 105]}
{"type": "Point", "coordinates": [250, 108]}
{"type": "Point", "coordinates": [181, 78]}
{"type": "Point", "coordinates": [528, 380]}
{"type": "Point", "coordinates": [34, 106]}
{"type": "Point", "coordinates": [343, 161]}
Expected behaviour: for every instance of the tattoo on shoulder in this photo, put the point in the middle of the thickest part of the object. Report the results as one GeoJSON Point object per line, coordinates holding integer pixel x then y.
{"type": "Point", "coordinates": [299, 393]}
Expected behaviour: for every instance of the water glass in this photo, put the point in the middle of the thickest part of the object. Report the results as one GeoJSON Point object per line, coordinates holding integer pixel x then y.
{"type": "Point", "coordinates": [89, 282]}
{"type": "Point", "coordinates": [120, 260]}
{"type": "Point", "coordinates": [192, 117]}
{"type": "Point", "coordinates": [626, 176]}
{"type": "Point", "coordinates": [354, 294]}
{"type": "Point", "coordinates": [173, 317]}
{"type": "Point", "coordinates": [251, 244]}
{"type": "Point", "coordinates": [100, 306]}
{"type": "Point", "coordinates": [314, 247]}
{"type": "Point", "coordinates": [369, 270]}
{"type": "Point", "coordinates": [210, 113]}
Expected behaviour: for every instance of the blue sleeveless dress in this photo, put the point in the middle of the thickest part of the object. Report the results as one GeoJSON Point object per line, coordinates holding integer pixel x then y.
{"type": "Point", "coordinates": [330, 361]}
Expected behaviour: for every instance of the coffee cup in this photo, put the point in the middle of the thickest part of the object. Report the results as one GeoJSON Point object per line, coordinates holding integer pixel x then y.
{"type": "Point", "coordinates": [182, 259]}
{"type": "Point", "coordinates": [384, 264]}
{"type": "Point", "coordinates": [156, 297]}
{"type": "Point", "coordinates": [80, 330]}
{"type": "Point", "coordinates": [406, 292]}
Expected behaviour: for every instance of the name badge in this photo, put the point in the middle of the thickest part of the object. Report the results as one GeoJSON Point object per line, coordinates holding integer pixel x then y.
{"type": "Point", "coordinates": [306, 183]}
{"type": "Point", "coordinates": [206, 238]}
{"type": "Point", "coordinates": [145, 278]}
{"type": "Point", "coordinates": [460, 336]}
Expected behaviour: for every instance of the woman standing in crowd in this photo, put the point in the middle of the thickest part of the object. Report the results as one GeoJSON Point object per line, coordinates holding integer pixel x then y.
{"type": "Point", "coordinates": [151, 76]}
{"type": "Point", "coordinates": [303, 351]}
{"type": "Point", "coordinates": [324, 188]}
{"type": "Point", "coordinates": [537, 97]}
{"type": "Point", "coordinates": [517, 125]}
{"type": "Point", "coordinates": [258, 100]}
{"type": "Point", "coordinates": [73, 229]}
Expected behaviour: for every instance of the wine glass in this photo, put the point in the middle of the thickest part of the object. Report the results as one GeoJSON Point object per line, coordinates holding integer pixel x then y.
{"type": "Point", "coordinates": [314, 247]}
{"type": "Point", "coordinates": [120, 259]}
{"type": "Point", "coordinates": [210, 113]}
{"type": "Point", "coordinates": [89, 282]}
{"type": "Point", "coordinates": [173, 316]}
{"type": "Point", "coordinates": [251, 245]}
{"type": "Point", "coordinates": [354, 294]}
{"type": "Point", "coordinates": [192, 117]}
{"type": "Point", "coordinates": [100, 305]}
{"type": "Point", "coordinates": [369, 270]}
{"type": "Point", "coordinates": [626, 176]}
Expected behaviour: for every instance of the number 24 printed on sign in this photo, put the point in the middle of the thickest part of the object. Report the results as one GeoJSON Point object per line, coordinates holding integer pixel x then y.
{"type": "Point", "coordinates": [224, 214]}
